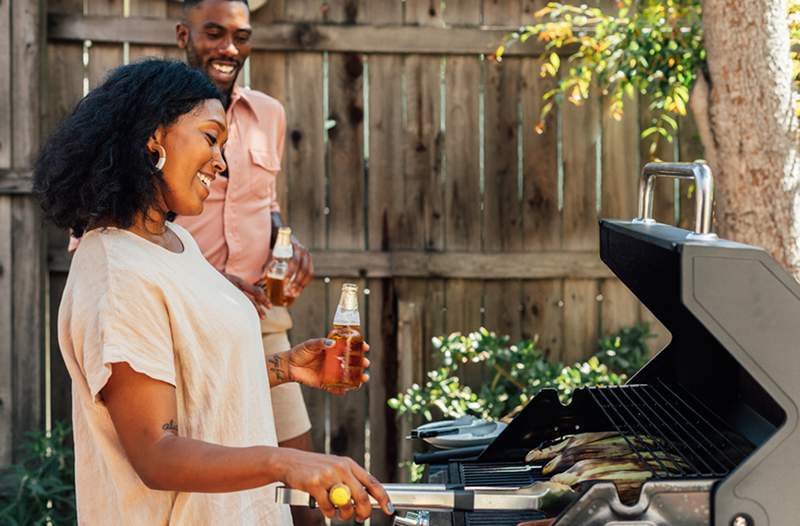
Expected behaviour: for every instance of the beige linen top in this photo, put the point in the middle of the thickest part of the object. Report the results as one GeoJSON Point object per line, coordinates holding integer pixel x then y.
{"type": "Point", "coordinates": [173, 317]}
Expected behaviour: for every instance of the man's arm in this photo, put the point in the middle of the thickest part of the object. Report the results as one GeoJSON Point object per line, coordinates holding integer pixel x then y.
{"type": "Point", "coordinates": [144, 413]}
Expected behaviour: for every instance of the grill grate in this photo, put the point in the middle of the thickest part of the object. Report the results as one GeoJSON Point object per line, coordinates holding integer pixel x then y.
{"type": "Point", "coordinates": [502, 518]}
{"type": "Point", "coordinates": [678, 429]}
{"type": "Point", "coordinates": [499, 474]}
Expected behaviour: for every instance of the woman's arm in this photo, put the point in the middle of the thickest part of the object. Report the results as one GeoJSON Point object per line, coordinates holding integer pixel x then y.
{"type": "Point", "coordinates": [144, 412]}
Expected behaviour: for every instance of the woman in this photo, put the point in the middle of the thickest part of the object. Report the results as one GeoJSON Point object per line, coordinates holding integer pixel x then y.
{"type": "Point", "coordinates": [171, 408]}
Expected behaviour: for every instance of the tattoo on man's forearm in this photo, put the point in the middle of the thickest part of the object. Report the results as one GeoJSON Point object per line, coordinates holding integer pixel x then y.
{"type": "Point", "coordinates": [275, 366]}
{"type": "Point", "coordinates": [170, 426]}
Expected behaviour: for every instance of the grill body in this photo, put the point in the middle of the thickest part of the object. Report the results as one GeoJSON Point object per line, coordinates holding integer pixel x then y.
{"type": "Point", "coordinates": [723, 394]}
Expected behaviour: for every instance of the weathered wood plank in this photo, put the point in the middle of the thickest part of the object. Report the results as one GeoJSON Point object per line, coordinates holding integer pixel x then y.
{"type": "Point", "coordinates": [305, 10]}
{"type": "Point", "coordinates": [5, 86]}
{"type": "Point", "coordinates": [543, 315]}
{"type": "Point", "coordinates": [305, 150]}
{"type": "Point", "coordinates": [271, 12]}
{"type": "Point", "coordinates": [409, 362]}
{"type": "Point", "coordinates": [420, 212]}
{"type": "Point", "coordinates": [103, 57]}
{"type": "Point", "coordinates": [581, 140]}
{"type": "Point", "coordinates": [462, 150]}
{"type": "Point", "coordinates": [502, 213]}
{"type": "Point", "coordinates": [64, 80]}
{"type": "Point", "coordinates": [462, 13]}
{"type": "Point", "coordinates": [503, 13]}
{"type": "Point", "coordinates": [346, 11]}
{"type": "Point", "coordinates": [16, 182]}
{"type": "Point", "coordinates": [502, 301]}
{"type": "Point", "coordinates": [6, 333]}
{"type": "Point", "coordinates": [385, 150]}
{"type": "Point", "coordinates": [457, 265]}
{"type": "Point", "coordinates": [580, 319]}
{"type": "Point", "coordinates": [383, 378]}
{"type": "Point", "coordinates": [302, 37]}
{"type": "Point", "coordinates": [25, 72]}
{"type": "Point", "coordinates": [27, 298]}
{"type": "Point", "coordinates": [424, 13]}
{"type": "Point", "coordinates": [346, 176]}
{"type": "Point", "coordinates": [154, 9]}
{"type": "Point", "coordinates": [541, 216]}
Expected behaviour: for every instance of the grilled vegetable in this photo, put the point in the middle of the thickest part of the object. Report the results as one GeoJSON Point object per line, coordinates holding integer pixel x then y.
{"type": "Point", "coordinates": [596, 469]}
{"type": "Point", "coordinates": [567, 442]}
{"type": "Point", "coordinates": [658, 460]}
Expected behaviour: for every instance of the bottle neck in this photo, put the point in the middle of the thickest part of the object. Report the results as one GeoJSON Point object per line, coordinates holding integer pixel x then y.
{"type": "Point", "coordinates": [347, 317]}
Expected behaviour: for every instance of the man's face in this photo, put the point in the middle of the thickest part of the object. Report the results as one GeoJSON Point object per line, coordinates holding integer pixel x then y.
{"type": "Point", "coordinates": [216, 37]}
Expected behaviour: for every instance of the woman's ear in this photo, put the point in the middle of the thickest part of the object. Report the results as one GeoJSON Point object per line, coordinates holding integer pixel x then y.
{"type": "Point", "coordinates": [156, 139]}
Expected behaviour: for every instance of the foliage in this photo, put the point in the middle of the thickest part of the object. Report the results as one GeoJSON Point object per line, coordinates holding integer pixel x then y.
{"type": "Point", "coordinates": [40, 489]}
{"type": "Point", "coordinates": [652, 47]}
{"type": "Point", "coordinates": [516, 373]}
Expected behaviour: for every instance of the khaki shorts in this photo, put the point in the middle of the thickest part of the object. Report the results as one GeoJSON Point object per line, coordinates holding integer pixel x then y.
{"type": "Point", "coordinates": [288, 406]}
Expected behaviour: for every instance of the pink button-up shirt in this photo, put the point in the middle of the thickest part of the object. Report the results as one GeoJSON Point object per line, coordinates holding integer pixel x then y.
{"type": "Point", "coordinates": [234, 229]}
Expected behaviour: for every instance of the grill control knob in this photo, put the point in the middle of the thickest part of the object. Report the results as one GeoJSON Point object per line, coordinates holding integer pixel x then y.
{"type": "Point", "coordinates": [422, 518]}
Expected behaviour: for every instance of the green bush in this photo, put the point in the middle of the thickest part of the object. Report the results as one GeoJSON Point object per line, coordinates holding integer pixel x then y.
{"type": "Point", "coordinates": [40, 488]}
{"type": "Point", "coordinates": [515, 373]}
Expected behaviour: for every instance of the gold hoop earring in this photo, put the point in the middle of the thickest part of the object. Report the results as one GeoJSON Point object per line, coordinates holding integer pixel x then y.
{"type": "Point", "coordinates": [162, 157]}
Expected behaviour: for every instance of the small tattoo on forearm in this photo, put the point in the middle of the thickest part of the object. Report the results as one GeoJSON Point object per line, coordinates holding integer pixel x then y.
{"type": "Point", "coordinates": [170, 426]}
{"type": "Point", "coordinates": [275, 366]}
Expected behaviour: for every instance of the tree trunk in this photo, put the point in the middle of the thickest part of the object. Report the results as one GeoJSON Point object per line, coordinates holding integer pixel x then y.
{"type": "Point", "coordinates": [748, 125]}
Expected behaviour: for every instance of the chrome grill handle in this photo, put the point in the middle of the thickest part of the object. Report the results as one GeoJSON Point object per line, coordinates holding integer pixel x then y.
{"type": "Point", "coordinates": [704, 192]}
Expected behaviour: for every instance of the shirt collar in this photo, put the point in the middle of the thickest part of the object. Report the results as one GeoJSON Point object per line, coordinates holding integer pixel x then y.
{"type": "Point", "coordinates": [240, 96]}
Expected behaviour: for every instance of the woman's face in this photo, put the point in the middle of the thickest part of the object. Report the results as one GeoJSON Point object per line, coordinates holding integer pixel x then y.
{"type": "Point", "coordinates": [194, 156]}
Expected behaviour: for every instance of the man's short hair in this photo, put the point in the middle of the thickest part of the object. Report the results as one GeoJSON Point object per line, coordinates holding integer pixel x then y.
{"type": "Point", "coordinates": [189, 4]}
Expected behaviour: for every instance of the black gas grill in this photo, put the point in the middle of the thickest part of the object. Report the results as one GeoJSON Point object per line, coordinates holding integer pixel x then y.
{"type": "Point", "coordinates": [722, 396]}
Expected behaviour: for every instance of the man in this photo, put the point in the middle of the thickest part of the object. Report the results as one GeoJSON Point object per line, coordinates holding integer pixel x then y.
{"type": "Point", "coordinates": [241, 218]}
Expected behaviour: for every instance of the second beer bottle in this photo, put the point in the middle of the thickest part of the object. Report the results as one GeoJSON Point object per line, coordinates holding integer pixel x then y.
{"type": "Point", "coordinates": [278, 278]}
{"type": "Point", "coordinates": [343, 362]}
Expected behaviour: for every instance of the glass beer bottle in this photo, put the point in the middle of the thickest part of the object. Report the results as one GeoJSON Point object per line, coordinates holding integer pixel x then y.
{"type": "Point", "coordinates": [343, 368]}
{"type": "Point", "coordinates": [278, 276]}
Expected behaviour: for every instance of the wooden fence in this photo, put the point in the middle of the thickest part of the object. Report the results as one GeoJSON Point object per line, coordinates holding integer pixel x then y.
{"type": "Point", "coordinates": [411, 167]}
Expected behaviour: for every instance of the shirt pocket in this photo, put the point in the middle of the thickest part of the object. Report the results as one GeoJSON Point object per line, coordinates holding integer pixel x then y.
{"type": "Point", "coordinates": [266, 165]}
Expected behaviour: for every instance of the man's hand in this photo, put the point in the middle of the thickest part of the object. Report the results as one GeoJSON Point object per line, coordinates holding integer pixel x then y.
{"type": "Point", "coordinates": [316, 474]}
{"type": "Point", "coordinates": [305, 363]}
{"type": "Point", "coordinates": [253, 292]}
{"type": "Point", "coordinates": [300, 267]}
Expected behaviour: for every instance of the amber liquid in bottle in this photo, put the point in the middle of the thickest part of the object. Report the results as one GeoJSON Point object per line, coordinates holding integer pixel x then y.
{"type": "Point", "coordinates": [343, 362]}
{"type": "Point", "coordinates": [278, 277]}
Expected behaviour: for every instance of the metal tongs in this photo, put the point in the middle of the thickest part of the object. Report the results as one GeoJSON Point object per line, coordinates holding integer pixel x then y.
{"type": "Point", "coordinates": [438, 497]}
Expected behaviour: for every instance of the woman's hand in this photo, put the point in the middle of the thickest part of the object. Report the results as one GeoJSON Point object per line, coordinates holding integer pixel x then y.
{"type": "Point", "coordinates": [253, 292]}
{"type": "Point", "coordinates": [305, 363]}
{"type": "Point", "coordinates": [316, 474]}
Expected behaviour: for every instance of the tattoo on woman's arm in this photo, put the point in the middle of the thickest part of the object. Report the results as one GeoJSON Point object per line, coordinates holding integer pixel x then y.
{"type": "Point", "coordinates": [170, 426]}
{"type": "Point", "coordinates": [275, 366]}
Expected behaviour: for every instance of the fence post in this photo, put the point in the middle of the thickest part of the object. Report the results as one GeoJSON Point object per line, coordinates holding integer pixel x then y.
{"type": "Point", "coordinates": [21, 239]}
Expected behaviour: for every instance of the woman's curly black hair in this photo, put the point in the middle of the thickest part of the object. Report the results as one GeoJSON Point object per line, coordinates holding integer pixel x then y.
{"type": "Point", "coordinates": [95, 167]}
